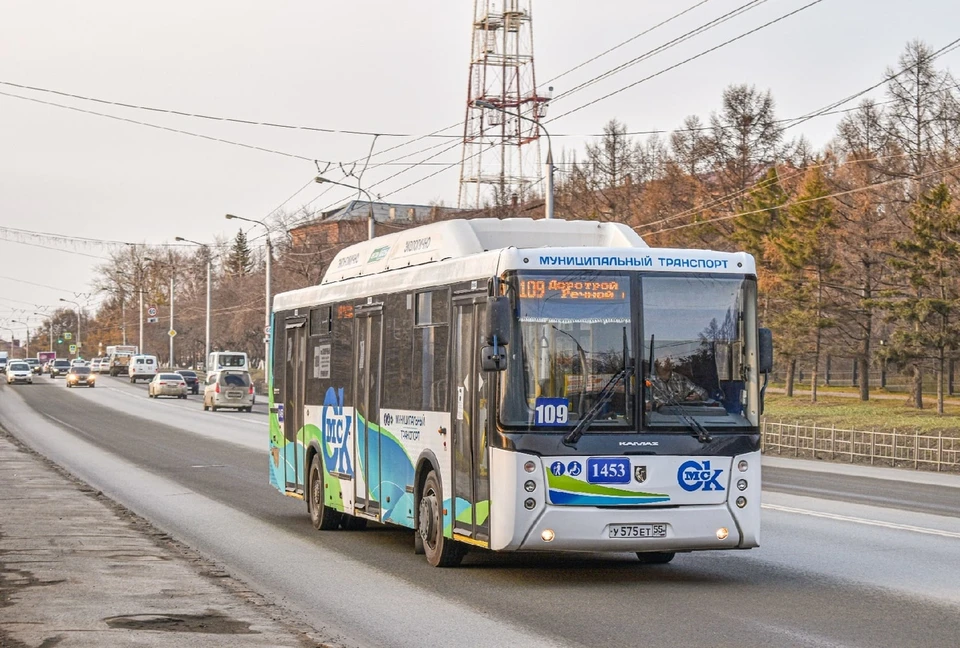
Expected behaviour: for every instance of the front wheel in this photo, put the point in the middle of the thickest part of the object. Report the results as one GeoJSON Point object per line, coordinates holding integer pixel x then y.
{"type": "Point", "coordinates": [440, 551]}
{"type": "Point", "coordinates": [323, 517]}
{"type": "Point", "coordinates": [655, 557]}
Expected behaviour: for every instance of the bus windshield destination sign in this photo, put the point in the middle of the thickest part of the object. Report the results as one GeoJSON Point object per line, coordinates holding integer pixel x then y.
{"type": "Point", "coordinates": [552, 289]}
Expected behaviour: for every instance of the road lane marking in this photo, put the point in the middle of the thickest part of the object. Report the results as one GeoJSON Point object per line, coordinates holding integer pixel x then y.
{"type": "Point", "coordinates": [866, 521]}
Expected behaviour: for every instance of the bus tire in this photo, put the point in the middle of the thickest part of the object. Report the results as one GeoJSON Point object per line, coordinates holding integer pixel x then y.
{"type": "Point", "coordinates": [655, 557]}
{"type": "Point", "coordinates": [323, 517]}
{"type": "Point", "coordinates": [353, 523]}
{"type": "Point", "coordinates": [440, 551]}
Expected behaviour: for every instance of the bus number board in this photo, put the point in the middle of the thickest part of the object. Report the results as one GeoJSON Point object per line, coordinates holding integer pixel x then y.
{"type": "Point", "coordinates": [586, 290]}
{"type": "Point", "coordinates": [608, 470]}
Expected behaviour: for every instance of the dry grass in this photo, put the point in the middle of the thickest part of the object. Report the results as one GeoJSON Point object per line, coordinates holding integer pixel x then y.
{"type": "Point", "coordinates": [852, 414]}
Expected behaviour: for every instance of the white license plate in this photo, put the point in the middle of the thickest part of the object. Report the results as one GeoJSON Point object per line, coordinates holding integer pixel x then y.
{"type": "Point", "coordinates": [638, 530]}
{"type": "Point", "coordinates": [234, 394]}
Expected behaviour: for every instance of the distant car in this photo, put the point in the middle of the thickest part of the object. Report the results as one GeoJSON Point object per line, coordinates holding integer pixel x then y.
{"type": "Point", "coordinates": [78, 362]}
{"type": "Point", "coordinates": [193, 382]}
{"type": "Point", "coordinates": [34, 365]}
{"type": "Point", "coordinates": [80, 375]}
{"type": "Point", "coordinates": [59, 367]}
{"type": "Point", "coordinates": [167, 384]}
{"type": "Point", "coordinates": [19, 371]}
{"type": "Point", "coordinates": [228, 388]}
{"type": "Point", "coordinates": [95, 365]}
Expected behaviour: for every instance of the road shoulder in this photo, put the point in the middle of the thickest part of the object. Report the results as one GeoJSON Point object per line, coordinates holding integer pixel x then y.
{"type": "Point", "coordinates": [78, 569]}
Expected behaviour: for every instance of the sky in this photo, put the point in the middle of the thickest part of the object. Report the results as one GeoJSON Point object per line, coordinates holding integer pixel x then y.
{"type": "Point", "coordinates": [385, 66]}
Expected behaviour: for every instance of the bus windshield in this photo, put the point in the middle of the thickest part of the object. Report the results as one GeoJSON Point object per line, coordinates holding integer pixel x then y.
{"type": "Point", "coordinates": [573, 338]}
{"type": "Point", "coordinates": [694, 326]}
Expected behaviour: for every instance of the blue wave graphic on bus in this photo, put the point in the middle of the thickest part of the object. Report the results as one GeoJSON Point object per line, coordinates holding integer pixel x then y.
{"type": "Point", "coordinates": [388, 460]}
{"type": "Point", "coordinates": [581, 499]}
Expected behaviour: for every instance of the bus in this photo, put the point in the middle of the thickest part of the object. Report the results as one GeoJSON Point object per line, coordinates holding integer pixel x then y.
{"type": "Point", "coordinates": [524, 385]}
{"type": "Point", "coordinates": [227, 360]}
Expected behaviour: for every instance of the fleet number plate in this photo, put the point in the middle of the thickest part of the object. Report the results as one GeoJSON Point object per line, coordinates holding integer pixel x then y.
{"type": "Point", "coordinates": [638, 530]}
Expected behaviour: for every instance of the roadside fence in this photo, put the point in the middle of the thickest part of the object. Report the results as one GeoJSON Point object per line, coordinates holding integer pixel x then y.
{"type": "Point", "coordinates": [935, 451]}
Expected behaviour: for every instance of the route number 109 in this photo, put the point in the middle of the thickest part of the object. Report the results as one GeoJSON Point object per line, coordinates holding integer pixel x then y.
{"type": "Point", "coordinates": [552, 413]}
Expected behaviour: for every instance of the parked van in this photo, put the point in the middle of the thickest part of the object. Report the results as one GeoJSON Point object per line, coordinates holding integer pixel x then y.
{"type": "Point", "coordinates": [228, 388]}
{"type": "Point", "coordinates": [142, 367]}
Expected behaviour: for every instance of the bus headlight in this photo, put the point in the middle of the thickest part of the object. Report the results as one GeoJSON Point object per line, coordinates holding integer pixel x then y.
{"type": "Point", "coordinates": [548, 535]}
{"type": "Point", "coordinates": [529, 503]}
{"type": "Point", "coordinates": [530, 486]}
{"type": "Point", "coordinates": [743, 465]}
{"type": "Point", "coordinates": [742, 484]}
{"type": "Point", "coordinates": [741, 501]}
{"type": "Point", "coordinates": [722, 533]}
{"type": "Point", "coordinates": [530, 466]}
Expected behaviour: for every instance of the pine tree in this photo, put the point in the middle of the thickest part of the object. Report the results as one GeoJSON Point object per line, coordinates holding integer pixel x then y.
{"type": "Point", "coordinates": [929, 310]}
{"type": "Point", "coordinates": [763, 213]}
{"type": "Point", "coordinates": [804, 250]}
{"type": "Point", "coordinates": [239, 261]}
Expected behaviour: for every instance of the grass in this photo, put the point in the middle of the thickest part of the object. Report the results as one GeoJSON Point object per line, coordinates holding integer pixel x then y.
{"type": "Point", "coordinates": [853, 414]}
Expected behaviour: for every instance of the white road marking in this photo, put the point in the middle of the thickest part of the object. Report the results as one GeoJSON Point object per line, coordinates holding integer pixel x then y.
{"type": "Point", "coordinates": [866, 521]}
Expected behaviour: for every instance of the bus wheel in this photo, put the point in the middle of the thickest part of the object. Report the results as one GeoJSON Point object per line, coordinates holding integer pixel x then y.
{"type": "Point", "coordinates": [353, 523]}
{"type": "Point", "coordinates": [323, 517]}
{"type": "Point", "coordinates": [655, 557]}
{"type": "Point", "coordinates": [440, 551]}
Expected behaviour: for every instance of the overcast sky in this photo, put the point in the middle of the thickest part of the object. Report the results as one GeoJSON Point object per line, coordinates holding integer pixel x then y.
{"type": "Point", "coordinates": [395, 66]}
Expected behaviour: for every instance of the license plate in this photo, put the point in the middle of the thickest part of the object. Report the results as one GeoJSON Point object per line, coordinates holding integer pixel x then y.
{"type": "Point", "coordinates": [234, 394]}
{"type": "Point", "coordinates": [638, 530]}
{"type": "Point", "coordinates": [608, 470]}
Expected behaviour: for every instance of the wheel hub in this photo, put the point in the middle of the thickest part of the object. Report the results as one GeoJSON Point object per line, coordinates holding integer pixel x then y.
{"type": "Point", "coordinates": [427, 525]}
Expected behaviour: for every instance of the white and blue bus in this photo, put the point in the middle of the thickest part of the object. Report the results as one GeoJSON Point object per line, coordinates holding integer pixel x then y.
{"type": "Point", "coordinates": [524, 385]}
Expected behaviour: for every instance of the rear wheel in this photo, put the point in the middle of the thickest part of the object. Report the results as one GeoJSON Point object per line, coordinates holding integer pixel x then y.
{"type": "Point", "coordinates": [655, 557]}
{"type": "Point", "coordinates": [205, 406]}
{"type": "Point", "coordinates": [213, 407]}
{"type": "Point", "coordinates": [440, 551]}
{"type": "Point", "coordinates": [323, 517]}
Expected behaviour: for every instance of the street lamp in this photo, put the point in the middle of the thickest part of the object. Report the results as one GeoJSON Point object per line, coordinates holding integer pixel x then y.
{"type": "Point", "coordinates": [206, 248]}
{"type": "Point", "coordinates": [548, 202]}
{"type": "Point", "coordinates": [11, 339]}
{"type": "Point", "coordinates": [267, 331]}
{"type": "Point", "coordinates": [27, 352]}
{"type": "Point", "coordinates": [172, 330]}
{"type": "Point", "coordinates": [79, 342]}
{"type": "Point", "coordinates": [370, 219]}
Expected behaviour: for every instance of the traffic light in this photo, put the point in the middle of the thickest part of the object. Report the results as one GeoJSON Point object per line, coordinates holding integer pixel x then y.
{"type": "Point", "coordinates": [59, 340]}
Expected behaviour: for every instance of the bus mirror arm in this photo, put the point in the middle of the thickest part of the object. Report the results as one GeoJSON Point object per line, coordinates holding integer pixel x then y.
{"type": "Point", "coordinates": [493, 358]}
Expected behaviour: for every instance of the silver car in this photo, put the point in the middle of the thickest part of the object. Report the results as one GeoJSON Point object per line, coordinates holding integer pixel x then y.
{"type": "Point", "coordinates": [228, 388]}
{"type": "Point", "coordinates": [167, 384]}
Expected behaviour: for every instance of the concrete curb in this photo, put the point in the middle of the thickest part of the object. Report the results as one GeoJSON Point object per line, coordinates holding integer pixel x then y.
{"type": "Point", "coordinates": [872, 472]}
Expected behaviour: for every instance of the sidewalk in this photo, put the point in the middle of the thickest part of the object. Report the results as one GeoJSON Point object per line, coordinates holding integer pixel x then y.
{"type": "Point", "coordinates": [949, 480]}
{"type": "Point", "coordinates": [79, 570]}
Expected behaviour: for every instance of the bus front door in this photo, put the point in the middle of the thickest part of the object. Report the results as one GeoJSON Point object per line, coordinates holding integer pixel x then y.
{"type": "Point", "coordinates": [293, 398]}
{"type": "Point", "coordinates": [368, 321]}
{"type": "Point", "coordinates": [471, 476]}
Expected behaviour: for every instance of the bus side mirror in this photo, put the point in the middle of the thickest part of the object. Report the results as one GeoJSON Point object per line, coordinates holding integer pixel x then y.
{"type": "Point", "coordinates": [493, 358]}
{"type": "Point", "coordinates": [497, 326]}
{"type": "Point", "coordinates": [765, 350]}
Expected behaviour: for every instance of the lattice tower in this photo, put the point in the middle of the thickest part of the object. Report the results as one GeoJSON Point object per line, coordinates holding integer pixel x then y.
{"type": "Point", "coordinates": [501, 152]}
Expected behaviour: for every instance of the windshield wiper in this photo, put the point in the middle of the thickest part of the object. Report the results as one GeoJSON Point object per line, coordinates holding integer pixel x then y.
{"type": "Point", "coordinates": [703, 435]}
{"type": "Point", "coordinates": [604, 397]}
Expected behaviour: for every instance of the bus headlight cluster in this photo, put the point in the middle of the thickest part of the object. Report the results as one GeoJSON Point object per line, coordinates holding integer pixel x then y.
{"type": "Point", "coordinates": [531, 503]}
{"type": "Point", "coordinates": [743, 465]}
{"type": "Point", "coordinates": [741, 501]}
{"type": "Point", "coordinates": [531, 486]}
{"type": "Point", "coordinates": [742, 484]}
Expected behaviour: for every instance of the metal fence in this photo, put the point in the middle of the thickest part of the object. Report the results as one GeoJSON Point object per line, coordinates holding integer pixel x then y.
{"type": "Point", "coordinates": [934, 451]}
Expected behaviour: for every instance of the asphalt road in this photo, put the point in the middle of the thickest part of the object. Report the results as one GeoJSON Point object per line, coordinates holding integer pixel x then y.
{"type": "Point", "coordinates": [844, 561]}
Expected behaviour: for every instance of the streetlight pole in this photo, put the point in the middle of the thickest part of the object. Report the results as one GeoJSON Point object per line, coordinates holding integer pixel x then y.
{"type": "Point", "coordinates": [548, 166]}
{"type": "Point", "coordinates": [172, 300]}
{"type": "Point", "coordinates": [79, 342]}
{"type": "Point", "coordinates": [11, 339]}
{"type": "Point", "coordinates": [267, 331]}
{"type": "Point", "coordinates": [206, 346]}
{"type": "Point", "coordinates": [370, 220]}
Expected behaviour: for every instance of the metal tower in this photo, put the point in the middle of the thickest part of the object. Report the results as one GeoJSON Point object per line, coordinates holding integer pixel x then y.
{"type": "Point", "coordinates": [503, 107]}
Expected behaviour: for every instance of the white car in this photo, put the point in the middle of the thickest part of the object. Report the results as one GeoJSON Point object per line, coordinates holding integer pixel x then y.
{"type": "Point", "coordinates": [228, 388]}
{"type": "Point", "coordinates": [142, 367]}
{"type": "Point", "coordinates": [19, 372]}
{"type": "Point", "coordinates": [95, 365]}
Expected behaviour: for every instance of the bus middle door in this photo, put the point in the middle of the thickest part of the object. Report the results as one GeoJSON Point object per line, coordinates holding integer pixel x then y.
{"type": "Point", "coordinates": [369, 341]}
{"type": "Point", "coordinates": [293, 398]}
{"type": "Point", "coordinates": [471, 386]}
